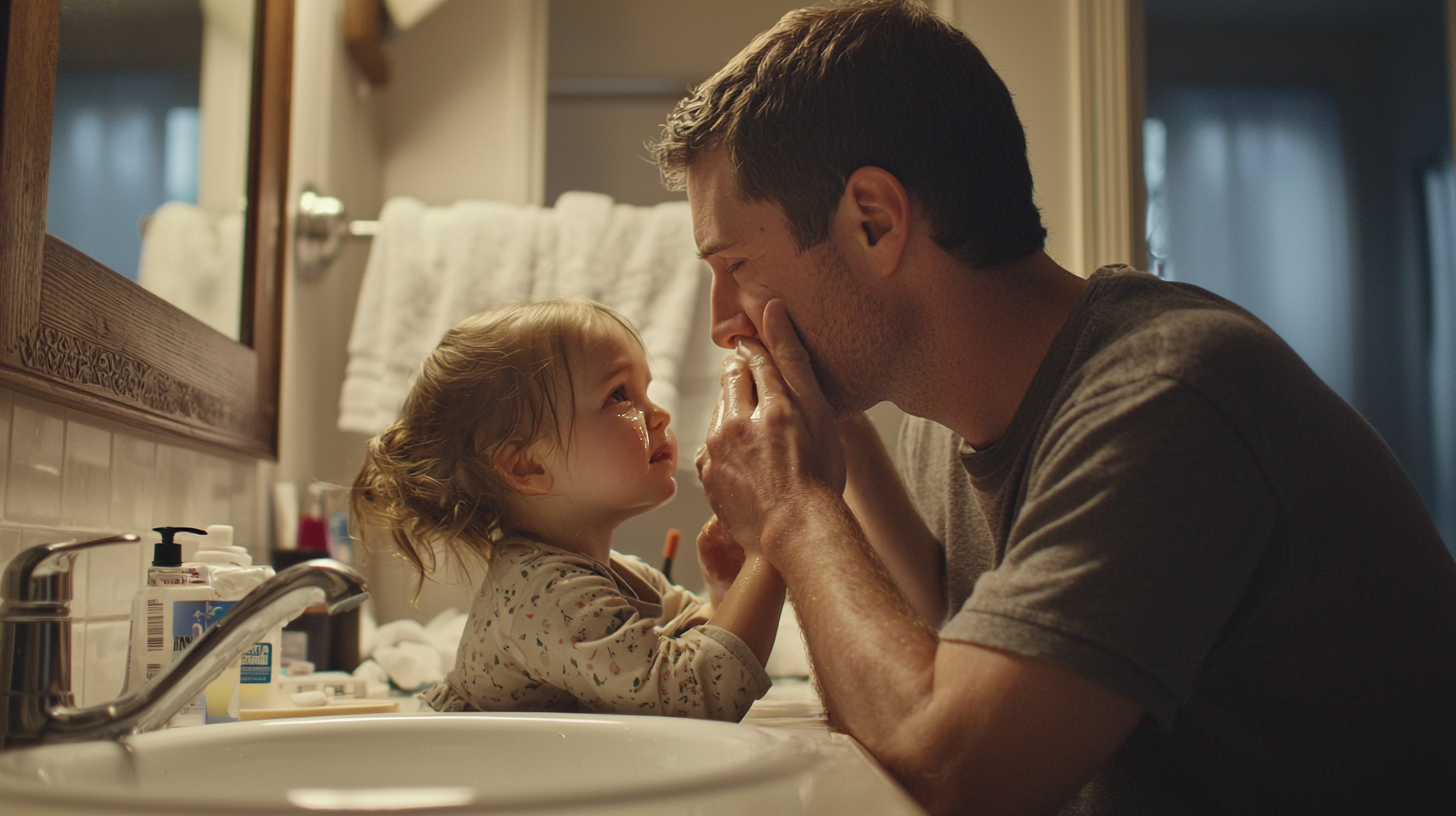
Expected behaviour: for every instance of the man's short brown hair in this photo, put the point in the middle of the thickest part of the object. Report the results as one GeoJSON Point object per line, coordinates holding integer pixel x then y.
{"type": "Point", "coordinates": [882, 83]}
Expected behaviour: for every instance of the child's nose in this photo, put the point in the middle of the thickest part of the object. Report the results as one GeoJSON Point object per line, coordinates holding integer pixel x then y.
{"type": "Point", "coordinates": [657, 416]}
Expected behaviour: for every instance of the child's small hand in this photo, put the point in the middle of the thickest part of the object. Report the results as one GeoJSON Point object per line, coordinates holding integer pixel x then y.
{"type": "Point", "coordinates": [719, 557]}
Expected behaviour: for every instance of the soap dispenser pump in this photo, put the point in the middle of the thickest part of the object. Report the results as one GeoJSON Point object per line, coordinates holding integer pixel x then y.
{"type": "Point", "coordinates": [167, 568]}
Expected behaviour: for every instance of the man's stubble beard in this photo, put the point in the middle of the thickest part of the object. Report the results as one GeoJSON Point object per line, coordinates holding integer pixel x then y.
{"type": "Point", "coordinates": [857, 339]}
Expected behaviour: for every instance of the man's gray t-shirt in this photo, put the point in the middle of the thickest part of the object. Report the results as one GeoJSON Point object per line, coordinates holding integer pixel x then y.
{"type": "Point", "coordinates": [1182, 511]}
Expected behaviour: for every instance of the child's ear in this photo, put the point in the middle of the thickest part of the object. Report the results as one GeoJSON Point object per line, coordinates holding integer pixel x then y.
{"type": "Point", "coordinates": [523, 469]}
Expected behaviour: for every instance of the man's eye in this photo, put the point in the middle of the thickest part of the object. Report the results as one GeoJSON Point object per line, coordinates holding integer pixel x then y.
{"type": "Point", "coordinates": [619, 395]}
{"type": "Point", "coordinates": [733, 267]}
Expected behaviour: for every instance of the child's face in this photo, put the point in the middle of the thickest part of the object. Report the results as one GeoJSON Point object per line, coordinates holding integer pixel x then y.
{"type": "Point", "coordinates": [621, 457]}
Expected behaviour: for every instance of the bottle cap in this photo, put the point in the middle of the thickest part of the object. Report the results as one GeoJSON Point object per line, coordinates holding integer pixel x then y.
{"type": "Point", "coordinates": [167, 552]}
{"type": "Point", "coordinates": [218, 548]}
{"type": "Point", "coordinates": [218, 535]}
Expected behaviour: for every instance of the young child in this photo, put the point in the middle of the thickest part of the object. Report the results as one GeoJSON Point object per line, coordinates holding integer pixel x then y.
{"type": "Point", "coordinates": [526, 440]}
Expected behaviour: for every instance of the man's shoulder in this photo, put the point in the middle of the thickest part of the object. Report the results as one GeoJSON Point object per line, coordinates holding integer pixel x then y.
{"type": "Point", "coordinates": [1137, 326]}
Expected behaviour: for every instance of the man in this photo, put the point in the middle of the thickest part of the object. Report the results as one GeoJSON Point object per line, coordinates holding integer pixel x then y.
{"type": "Point", "coordinates": [1181, 574]}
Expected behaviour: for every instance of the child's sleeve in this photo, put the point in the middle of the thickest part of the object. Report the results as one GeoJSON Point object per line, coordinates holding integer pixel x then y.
{"type": "Point", "coordinates": [679, 605]}
{"type": "Point", "coordinates": [572, 629]}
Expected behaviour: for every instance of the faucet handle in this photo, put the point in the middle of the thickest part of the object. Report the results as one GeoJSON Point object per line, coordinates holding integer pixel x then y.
{"type": "Point", "coordinates": [42, 574]}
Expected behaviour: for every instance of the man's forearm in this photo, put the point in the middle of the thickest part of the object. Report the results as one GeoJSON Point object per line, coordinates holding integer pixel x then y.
{"type": "Point", "coordinates": [961, 726]}
{"type": "Point", "coordinates": [912, 555]}
{"type": "Point", "coordinates": [873, 653]}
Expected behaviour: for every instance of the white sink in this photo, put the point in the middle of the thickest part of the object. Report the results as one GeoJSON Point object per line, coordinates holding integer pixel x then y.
{"type": "Point", "coordinates": [456, 763]}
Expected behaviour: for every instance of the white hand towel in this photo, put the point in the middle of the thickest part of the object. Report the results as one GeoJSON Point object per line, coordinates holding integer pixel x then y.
{"type": "Point", "coordinates": [194, 260]}
{"type": "Point", "coordinates": [430, 267]}
{"type": "Point", "coordinates": [395, 254]}
{"type": "Point", "coordinates": [583, 220]}
{"type": "Point", "coordinates": [411, 665]}
{"type": "Point", "coordinates": [678, 275]}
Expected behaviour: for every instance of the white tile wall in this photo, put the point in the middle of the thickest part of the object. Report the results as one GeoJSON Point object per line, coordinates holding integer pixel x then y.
{"type": "Point", "coordinates": [134, 481]}
{"type": "Point", "coordinates": [105, 659]}
{"type": "Point", "coordinates": [66, 476]}
{"type": "Point", "coordinates": [37, 452]}
{"type": "Point", "coordinates": [86, 475]}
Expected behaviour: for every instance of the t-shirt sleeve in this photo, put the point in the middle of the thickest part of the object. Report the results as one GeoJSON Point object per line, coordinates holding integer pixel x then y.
{"type": "Point", "coordinates": [573, 629]}
{"type": "Point", "coordinates": [1144, 517]}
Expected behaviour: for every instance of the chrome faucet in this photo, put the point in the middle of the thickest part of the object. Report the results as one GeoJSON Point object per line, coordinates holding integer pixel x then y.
{"type": "Point", "coordinates": [35, 645]}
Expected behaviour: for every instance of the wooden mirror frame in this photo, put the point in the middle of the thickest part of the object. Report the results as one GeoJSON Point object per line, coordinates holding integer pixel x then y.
{"type": "Point", "coordinates": [76, 333]}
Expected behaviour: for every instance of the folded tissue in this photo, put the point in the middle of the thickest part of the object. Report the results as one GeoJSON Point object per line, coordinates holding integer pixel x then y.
{"type": "Point", "coordinates": [307, 699]}
{"type": "Point", "coordinates": [411, 655]}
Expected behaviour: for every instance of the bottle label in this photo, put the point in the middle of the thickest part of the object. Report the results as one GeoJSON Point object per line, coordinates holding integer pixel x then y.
{"type": "Point", "coordinates": [191, 618]}
{"type": "Point", "coordinates": [156, 651]}
{"type": "Point", "coordinates": [258, 664]}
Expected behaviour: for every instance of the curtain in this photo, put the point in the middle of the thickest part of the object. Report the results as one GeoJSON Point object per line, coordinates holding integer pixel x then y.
{"type": "Point", "coordinates": [1247, 198]}
{"type": "Point", "coordinates": [1440, 189]}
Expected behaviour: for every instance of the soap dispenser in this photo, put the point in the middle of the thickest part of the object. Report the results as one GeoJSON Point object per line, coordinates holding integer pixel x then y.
{"type": "Point", "coordinates": [174, 608]}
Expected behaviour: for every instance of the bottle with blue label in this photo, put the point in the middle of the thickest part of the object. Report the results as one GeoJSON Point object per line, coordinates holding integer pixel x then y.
{"type": "Point", "coordinates": [183, 599]}
{"type": "Point", "coordinates": [251, 682]}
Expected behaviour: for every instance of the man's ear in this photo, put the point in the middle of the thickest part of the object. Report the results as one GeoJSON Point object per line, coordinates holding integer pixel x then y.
{"type": "Point", "coordinates": [877, 208]}
{"type": "Point", "coordinates": [521, 466]}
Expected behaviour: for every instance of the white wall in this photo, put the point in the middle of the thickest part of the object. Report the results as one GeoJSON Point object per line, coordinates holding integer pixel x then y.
{"type": "Point", "coordinates": [1032, 45]}
{"type": "Point", "coordinates": [224, 104]}
{"type": "Point", "coordinates": [334, 147]}
{"type": "Point", "coordinates": [463, 115]}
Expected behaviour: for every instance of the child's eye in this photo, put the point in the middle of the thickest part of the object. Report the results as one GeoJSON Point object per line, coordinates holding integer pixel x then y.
{"type": "Point", "coordinates": [619, 395]}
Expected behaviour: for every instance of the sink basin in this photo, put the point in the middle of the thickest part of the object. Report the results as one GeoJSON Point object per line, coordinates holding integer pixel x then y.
{"type": "Point", "coordinates": [440, 763]}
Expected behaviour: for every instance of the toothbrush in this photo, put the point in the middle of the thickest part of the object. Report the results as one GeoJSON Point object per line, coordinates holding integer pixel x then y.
{"type": "Point", "coordinates": [669, 551]}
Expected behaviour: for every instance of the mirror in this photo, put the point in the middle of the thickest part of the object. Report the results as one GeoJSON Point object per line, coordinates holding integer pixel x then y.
{"type": "Point", "coordinates": [149, 145]}
{"type": "Point", "coordinates": [75, 332]}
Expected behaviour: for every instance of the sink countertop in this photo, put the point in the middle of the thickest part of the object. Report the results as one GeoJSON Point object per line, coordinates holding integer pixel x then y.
{"type": "Point", "coordinates": [849, 781]}
{"type": "Point", "coordinates": [853, 778]}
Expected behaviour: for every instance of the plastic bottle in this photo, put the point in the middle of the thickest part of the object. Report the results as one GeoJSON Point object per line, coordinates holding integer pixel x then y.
{"type": "Point", "coordinates": [251, 681]}
{"type": "Point", "coordinates": [174, 608]}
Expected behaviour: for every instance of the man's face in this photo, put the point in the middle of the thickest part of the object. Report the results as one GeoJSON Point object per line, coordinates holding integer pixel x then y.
{"type": "Point", "coordinates": [755, 259]}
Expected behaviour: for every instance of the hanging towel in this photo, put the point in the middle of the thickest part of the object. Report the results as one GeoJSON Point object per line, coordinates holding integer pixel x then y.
{"type": "Point", "coordinates": [193, 259]}
{"type": "Point", "coordinates": [430, 267]}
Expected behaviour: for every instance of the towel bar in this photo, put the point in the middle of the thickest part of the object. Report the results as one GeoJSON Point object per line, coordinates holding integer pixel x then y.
{"type": "Point", "coordinates": [319, 230]}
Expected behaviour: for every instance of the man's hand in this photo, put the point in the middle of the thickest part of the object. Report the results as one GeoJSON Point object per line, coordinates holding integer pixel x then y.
{"type": "Point", "coordinates": [773, 441]}
{"type": "Point", "coordinates": [720, 558]}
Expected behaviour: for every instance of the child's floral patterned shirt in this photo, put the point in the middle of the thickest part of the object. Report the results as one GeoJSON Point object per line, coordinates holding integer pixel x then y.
{"type": "Point", "coordinates": [552, 630]}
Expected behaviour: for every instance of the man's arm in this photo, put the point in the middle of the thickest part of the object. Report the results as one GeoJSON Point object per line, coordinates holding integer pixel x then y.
{"type": "Point", "coordinates": [963, 727]}
{"type": "Point", "coordinates": [908, 549]}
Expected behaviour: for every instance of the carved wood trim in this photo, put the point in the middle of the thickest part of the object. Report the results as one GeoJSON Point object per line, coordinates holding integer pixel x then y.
{"type": "Point", "coordinates": [49, 352]}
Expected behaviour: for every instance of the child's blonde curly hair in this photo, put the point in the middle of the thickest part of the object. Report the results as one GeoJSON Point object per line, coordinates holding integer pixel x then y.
{"type": "Point", "coordinates": [498, 378]}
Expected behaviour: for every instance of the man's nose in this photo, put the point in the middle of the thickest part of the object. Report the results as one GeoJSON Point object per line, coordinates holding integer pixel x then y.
{"type": "Point", "coordinates": [729, 320]}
